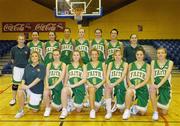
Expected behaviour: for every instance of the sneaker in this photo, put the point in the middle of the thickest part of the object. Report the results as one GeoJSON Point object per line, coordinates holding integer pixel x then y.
{"type": "Point", "coordinates": [64, 114]}
{"type": "Point", "coordinates": [86, 104]}
{"type": "Point", "coordinates": [47, 112]}
{"type": "Point", "coordinates": [155, 116]}
{"type": "Point", "coordinates": [114, 108]}
{"type": "Point", "coordinates": [70, 106]}
{"type": "Point", "coordinates": [92, 114]}
{"type": "Point", "coordinates": [126, 114]}
{"type": "Point", "coordinates": [19, 114]}
{"type": "Point", "coordinates": [133, 110]}
{"type": "Point", "coordinates": [12, 102]}
{"type": "Point", "coordinates": [108, 115]}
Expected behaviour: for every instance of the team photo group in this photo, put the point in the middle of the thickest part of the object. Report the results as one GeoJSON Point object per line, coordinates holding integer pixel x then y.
{"type": "Point", "coordinates": [73, 74]}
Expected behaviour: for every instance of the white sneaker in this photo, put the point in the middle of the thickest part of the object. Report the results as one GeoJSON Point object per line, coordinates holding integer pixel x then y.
{"type": "Point", "coordinates": [12, 102]}
{"type": "Point", "coordinates": [64, 114]}
{"type": "Point", "coordinates": [155, 116]}
{"type": "Point", "coordinates": [92, 114]}
{"type": "Point", "coordinates": [86, 104]}
{"type": "Point", "coordinates": [47, 112]}
{"type": "Point", "coordinates": [114, 108]}
{"type": "Point", "coordinates": [108, 115]}
{"type": "Point", "coordinates": [133, 110]}
{"type": "Point", "coordinates": [19, 114]}
{"type": "Point", "coordinates": [126, 114]}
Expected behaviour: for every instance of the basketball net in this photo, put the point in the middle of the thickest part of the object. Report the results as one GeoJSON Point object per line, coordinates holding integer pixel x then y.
{"type": "Point", "coordinates": [78, 14]}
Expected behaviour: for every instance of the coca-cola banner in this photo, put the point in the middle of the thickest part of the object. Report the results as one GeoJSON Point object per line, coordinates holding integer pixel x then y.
{"type": "Point", "coordinates": [33, 26]}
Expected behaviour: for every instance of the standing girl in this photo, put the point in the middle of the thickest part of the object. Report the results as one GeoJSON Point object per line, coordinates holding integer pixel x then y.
{"type": "Point", "coordinates": [49, 47]}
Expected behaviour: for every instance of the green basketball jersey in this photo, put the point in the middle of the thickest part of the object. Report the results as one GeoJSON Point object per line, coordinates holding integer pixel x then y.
{"type": "Point", "coordinates": [38, 48]}
{"type": "Point", "coordinates": [116, 73]}
{"type": "Point", "coordinates": [49, 50]}
{"type": "Point", "coordinates": [84, 49]}
{"type": "Point", "coordinates": [54, 74]}
{"type": "Point", "coordinates": [95, 75]}
{"type": "Point", "coordinates": [137, 75]}
{"type": "Point", "coordinates": [66, 51]}
{"type": "Point", "coordinates": [112, 49]}
{"type": "Point", "coordinates": [75, 74]}
{"type": "Point", "coordinates": [100, 46]}
{"type": "Point", "coordinates": [160, 73]}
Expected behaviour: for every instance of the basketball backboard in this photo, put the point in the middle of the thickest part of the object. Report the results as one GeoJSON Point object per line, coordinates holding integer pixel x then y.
{"type": "Point", "coordinates": [67, 8]}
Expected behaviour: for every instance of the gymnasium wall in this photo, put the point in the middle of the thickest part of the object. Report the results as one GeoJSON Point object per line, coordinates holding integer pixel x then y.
{"type": "Point", "coordinates": [159, 18]}
{"type": "Point", "coordinates": [29, 11]}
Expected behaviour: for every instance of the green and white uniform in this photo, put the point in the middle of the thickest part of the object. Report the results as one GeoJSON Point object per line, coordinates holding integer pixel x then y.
{"type": "Point", "coordinates": [141, 94]}
{"type": "Point", "coordinates": [54, 75]}
{"type": "Point", "coordinates": [38, 48]}
{"type": "Point", "coordinates": [120, 89]}
{"type": "Point", "coordinates": [49, 51]}
{"type": "Point", "coordinates": [75, 75]}
{"type": "Point", "coordinates": [84, 49]}
{"type": "Point", "coordinates": [100, 46]}
{"type": "Point", "coordinates": [111, 49]}
{"type": "Point", "coordinates": [66, 51]}
{"type": "Point", "coordinates": [95, 76]}
{"type": "Point", "coordinates": [164, 92]}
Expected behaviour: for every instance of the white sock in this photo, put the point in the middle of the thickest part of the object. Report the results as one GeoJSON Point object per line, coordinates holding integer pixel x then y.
{"type": "Point", "coordinates": [108, 104]}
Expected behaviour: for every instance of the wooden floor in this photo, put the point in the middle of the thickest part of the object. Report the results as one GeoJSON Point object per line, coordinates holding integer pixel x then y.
{"type": "Point", "coordinates": [82, 119]}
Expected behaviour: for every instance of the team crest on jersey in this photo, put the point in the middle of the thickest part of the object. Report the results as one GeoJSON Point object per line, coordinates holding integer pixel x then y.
{"type": "Point", "coordinates": [95, 73]}
{"type": "Point", "coordinates": [82, 48]}
{"type": "Point", "coordinates": [99, 47]}
{"type": "Point", "coordinates": [159, 72]}
{"type": "Point", "coordinates": [39, 50]}
{"type": "Point", "coordinates": [54, 73]}
{"type": "Point", "coordinates": [111, 51]}
{"type": "Point", "coordinates": [68, 47]}
{"type": "Point", "coordinates": [137, 74]}
{"type": "Point", "coordinates": [75, 73]}
{"type": "Point", "coordinates": [49, 49]}
{"type": "Point", "coordinates": [116, 74]}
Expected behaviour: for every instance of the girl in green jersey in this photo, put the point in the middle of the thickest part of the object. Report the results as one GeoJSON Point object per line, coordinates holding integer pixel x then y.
{"type": "Point", "coordinates": [160, 88]}
{"type": "Point", "coordinates": [50, 45]}
{"type": "Point", "coordinates": [96, 78]}
{"type": "Point", "coordinates": [82, 45]}
{"type": "Point", "coordinates": [74, 84]}
{"type": "Point", "coordinates": [113, 45]}
{"type": "Point", "coordinates": [36, 45]}
{"type": "Point", "coordinates": [100, 44]}
{"type": "Point", "coordinates": [55, 73]}
{"type": "Point", "coordinates": [116, 83]}
{"type": "Point", "coordinates": [138, 76]}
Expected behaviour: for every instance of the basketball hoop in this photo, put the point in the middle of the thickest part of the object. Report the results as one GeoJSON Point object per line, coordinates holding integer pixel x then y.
{"type": "Point", "coordinates": [78, 14]}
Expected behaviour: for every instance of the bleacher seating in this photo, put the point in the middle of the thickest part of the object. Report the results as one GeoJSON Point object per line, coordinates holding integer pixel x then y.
{"type": "Point", "coordinates": [7, 69]}
{"type": "Point", "coordinates": [5, 47]}
{"type": "Point", "coordinates": [173, 49]}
